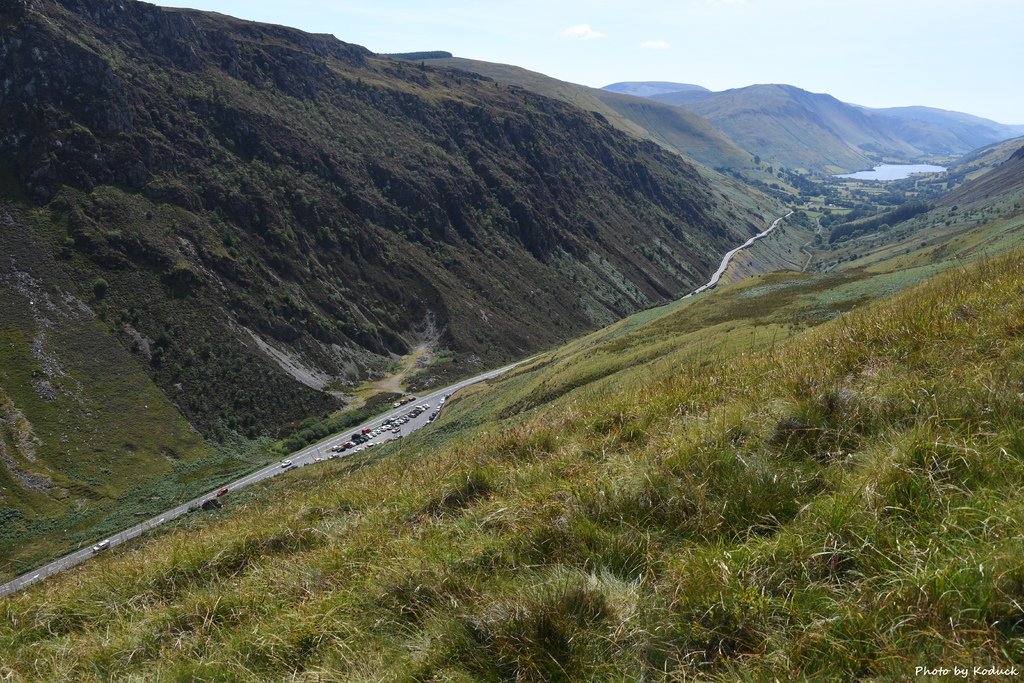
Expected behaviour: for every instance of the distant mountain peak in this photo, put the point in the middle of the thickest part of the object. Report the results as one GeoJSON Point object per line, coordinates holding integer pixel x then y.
{"type": "Point", "coordinates": [651, 88]}
{"type": "Point", "coordinates": [422, 55]}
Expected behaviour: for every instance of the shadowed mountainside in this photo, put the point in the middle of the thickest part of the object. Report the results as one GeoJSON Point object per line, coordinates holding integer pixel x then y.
{"type": "Point", "coordinates": [224, 224]}
{"type": "Point", "coordinates": [286, 195]}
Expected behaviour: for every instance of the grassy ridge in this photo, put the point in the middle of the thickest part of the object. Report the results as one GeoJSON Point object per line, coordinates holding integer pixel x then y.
{"type": "Point", "coordinates": [824, 506]}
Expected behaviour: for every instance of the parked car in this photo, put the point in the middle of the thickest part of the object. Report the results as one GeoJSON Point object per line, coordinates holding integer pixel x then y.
{"type": "Point", "coordinates": [102, 545]}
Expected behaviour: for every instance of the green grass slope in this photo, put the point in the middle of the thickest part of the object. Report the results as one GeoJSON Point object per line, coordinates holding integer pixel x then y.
{"type": "Point", "coordinates": [724, 488]}
{"type": "Point", "coordinates": [1005, 179]}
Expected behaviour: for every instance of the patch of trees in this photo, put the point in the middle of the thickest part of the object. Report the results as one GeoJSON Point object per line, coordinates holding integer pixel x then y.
{"type": "Point", "coordinates": [849, 217]}
{"type": "Point", "coordinates": [897, 215]}
{"type": "Point", "coordinates": [801, 182]}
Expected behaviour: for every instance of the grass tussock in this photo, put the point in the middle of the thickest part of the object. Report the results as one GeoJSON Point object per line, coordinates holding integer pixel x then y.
{"type": "Point", "coordinates": [841, 505]}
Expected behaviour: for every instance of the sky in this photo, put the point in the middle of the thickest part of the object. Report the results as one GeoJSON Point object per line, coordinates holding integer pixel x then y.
{"type": "Point", "coordinates": [964, 55]}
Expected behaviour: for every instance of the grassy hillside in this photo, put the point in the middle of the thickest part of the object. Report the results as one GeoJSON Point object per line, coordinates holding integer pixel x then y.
{"type": "Point", "coordinates": [735, 486]}
{"type": "Point", "coordinates": [1005, 179]}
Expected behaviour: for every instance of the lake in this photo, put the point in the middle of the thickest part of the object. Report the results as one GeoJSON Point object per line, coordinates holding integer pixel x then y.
{"type": "Point", "coordinates": [893, 171]}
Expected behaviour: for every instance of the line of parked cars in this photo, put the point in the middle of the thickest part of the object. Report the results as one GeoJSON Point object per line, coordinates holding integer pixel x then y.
{"type": "Point", "coordinates": [392, 424]}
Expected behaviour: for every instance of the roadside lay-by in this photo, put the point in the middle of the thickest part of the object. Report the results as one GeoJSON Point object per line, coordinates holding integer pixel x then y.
{"type": "Point", "coordinates": [380, 430]}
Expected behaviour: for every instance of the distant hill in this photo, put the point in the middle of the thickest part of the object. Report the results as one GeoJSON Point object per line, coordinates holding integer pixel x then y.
{"type": "Point", "coordinates": [1005, 179]}
{"type": "Point", "coordinates": [413, 56]}
{"type": "Point", "coordinates": [672, 127]}
{"type": "Point", "coordinates": [796, 128]}
{"type": "Point", "coordinates": [939, 131]}
{"type": "Point", "coordinates": [651, 88]}
{"type": "Point", "coordinates": [787, 125]}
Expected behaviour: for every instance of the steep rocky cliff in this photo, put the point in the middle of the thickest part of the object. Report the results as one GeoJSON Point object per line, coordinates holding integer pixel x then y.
{"type": "Point", "coordinates": [278, 213]}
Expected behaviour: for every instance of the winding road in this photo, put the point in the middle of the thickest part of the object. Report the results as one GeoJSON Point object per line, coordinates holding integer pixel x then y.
{"type": "Point", "coordinates": [306, 456]}
{"type": "Point", "coordinates": [728, 256]}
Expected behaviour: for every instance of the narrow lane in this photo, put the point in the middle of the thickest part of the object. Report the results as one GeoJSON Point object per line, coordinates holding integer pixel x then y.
{"type": "Point", "coordinates": [728, 256]}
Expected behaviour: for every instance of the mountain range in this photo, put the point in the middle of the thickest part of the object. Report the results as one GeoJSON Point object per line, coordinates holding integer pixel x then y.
{"type": "Point", "coordinates": [786, 125]}
{"type": "Point", "coordinates": [652, 88]}
{"type": "Point", "coordinates": [235, 256]}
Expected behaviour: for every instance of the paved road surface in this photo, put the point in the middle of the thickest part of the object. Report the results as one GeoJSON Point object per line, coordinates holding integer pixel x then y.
{"type": "Point", "coordinates": [728, 256]}
{"type": "Point", "coordinates": [304, 457]}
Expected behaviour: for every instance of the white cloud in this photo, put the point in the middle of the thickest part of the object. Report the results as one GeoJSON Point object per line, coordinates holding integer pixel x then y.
{"type": "Point", "coordinates": [655, 45]}
{"type": "Point", "coordinates": [582, 32]}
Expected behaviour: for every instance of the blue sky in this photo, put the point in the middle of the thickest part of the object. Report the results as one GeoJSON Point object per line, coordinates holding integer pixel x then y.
{"type": "Point", "coordinates": [965, 55]}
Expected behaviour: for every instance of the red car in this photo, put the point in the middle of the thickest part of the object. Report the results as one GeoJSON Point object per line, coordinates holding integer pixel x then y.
{"type": "Point", "coordinates": [222, 491]}
{"type": "Point", "coordinates": [367, 430]}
